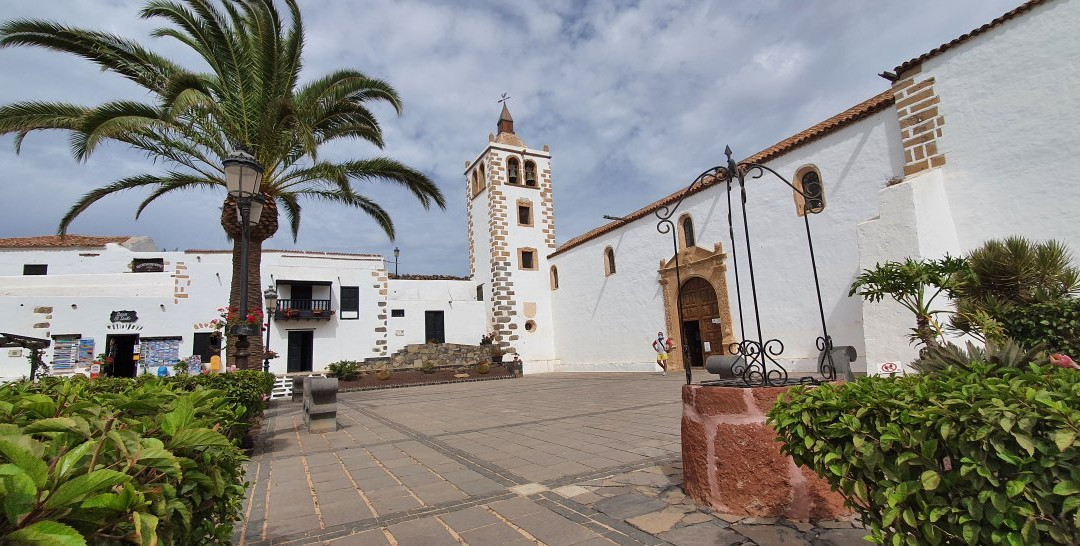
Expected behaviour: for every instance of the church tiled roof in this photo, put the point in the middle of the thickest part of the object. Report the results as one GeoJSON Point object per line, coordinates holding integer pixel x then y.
{"type": "Point", "coordinates": [404, 277]}
{"type": "Point", "coordinates": [829, 126]}
{"type": "Point", "coordinates": [1019, 10]}
{"type": "Point", "coordinates": [66, 241]}
{"type": "Point", "coordinates": [277, 251]}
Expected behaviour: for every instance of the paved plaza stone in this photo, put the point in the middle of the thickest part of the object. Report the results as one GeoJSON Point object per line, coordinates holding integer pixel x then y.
{"type": "Point", "coordinates": [556, 459]}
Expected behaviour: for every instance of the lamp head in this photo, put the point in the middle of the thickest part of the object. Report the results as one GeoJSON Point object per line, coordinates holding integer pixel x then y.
{"type": "Point", "coordinates": [271, 297]}
{"type": "Point", "coordinates": [243, 173]}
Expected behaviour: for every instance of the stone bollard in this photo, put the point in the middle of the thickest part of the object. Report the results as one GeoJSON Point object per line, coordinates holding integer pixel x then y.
{"type": "Point", "coordinates": [320, 404]}
{"type": "Point", "coordinates": [298, 388]}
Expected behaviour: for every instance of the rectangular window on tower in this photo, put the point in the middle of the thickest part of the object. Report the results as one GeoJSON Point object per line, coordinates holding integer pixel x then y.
{"type": "Point", "coordinates": [525, 213]}
{"type": "Point", "coordinates": [527, 259]}
{"type": "Point", "coordinates": [350, 302]}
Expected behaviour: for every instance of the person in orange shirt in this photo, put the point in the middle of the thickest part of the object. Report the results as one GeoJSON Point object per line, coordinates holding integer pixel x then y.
{"type": "Point", "coordinates": [662, 346]}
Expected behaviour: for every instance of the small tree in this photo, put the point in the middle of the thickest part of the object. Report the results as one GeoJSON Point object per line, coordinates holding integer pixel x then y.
{"type": "Point", "coordinates": [915, 284]}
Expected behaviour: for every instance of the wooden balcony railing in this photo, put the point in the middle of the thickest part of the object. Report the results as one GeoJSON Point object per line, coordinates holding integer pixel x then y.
{"type": "Point", "coordinates": [303, 309]}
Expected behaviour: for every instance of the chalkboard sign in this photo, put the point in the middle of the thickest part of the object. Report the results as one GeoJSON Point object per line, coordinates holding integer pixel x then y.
{"type": "Point", "coordinates": [123, 316]}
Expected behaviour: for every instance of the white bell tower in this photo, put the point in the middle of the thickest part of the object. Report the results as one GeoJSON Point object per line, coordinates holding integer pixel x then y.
{"type": "Point", "coordinates": [511, 232]}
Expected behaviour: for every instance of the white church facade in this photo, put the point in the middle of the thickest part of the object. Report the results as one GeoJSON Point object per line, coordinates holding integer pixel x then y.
{"type": "Point", "coordinates": [971, 141]}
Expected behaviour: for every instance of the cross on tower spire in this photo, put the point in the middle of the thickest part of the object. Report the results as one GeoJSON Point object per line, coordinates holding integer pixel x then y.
{"type": "Point", "coordinates": [506, 122]}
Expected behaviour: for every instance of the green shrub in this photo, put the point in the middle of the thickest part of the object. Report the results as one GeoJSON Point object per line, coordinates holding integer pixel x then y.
{"type": "Point", "coordinates": [248, 390]}
{"type": "Point", "coordinates": [427, 366]}
{"type": "Point", "coordinates": [979, 456]}
{"type": "Point", "coordinates": [1055, 325]}
{"type": "Point", "coordinates": [144, 463]}
{"type": "Point", "coordinates": [483, 367]}
{"type": "Point", "coordinates": [345, 370]}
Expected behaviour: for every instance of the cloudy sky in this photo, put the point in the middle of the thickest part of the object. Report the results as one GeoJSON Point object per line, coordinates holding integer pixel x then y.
{"type": "Point", "coordinates": [634, 99]}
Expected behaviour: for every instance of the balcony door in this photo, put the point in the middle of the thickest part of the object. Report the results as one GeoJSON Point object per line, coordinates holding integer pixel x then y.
{"type": "Point", "coordinates": [302, 292]}
{"type": "Point", "coordinates": [301, 348]}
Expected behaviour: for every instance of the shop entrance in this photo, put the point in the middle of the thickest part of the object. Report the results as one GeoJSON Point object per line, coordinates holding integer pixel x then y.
{"type": "Point", "coordinates": [120, 355]}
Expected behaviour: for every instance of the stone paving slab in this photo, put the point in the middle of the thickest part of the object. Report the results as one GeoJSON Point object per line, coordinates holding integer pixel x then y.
{"type": "Point", "coordinates": [559, 459]}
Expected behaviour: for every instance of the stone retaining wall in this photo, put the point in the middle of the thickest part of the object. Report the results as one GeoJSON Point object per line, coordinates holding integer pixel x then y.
{"type": "Point", "coordinates": [732, 461]}
{"type": "Point", "coordinates": [440, 354]}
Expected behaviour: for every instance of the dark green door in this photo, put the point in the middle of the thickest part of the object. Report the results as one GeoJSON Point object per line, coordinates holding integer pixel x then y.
{"type": "Point", "coordinates": [300, 351]}
{"type": "Point", "coordinates": [434, 327]}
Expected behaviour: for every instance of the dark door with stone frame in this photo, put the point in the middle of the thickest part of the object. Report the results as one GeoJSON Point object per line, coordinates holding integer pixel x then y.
{"type": "Point", "coordinates": [700, 305]}
{"type": "Point", "coordinates": [434, 327]}
{"type": "Point", "coordinates": [300, 351]}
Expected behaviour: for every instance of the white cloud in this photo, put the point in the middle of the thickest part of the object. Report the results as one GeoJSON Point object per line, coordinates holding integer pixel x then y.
{"type": "Point", "coordinates": [634, 99]}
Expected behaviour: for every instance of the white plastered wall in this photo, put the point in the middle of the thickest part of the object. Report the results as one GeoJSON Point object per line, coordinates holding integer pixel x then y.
{"type": "Point", "coordinates": [175, 303]}
{"type": "Point", "coordinates": [464, 317]}
{"type": "Point", "coordinates": [609, 322]}
{"type": "Point", "coordinates": [1010, 106]}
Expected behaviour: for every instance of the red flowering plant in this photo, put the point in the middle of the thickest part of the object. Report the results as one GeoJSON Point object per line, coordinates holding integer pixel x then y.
{"type": "Point", "coordinates": [230, 316]}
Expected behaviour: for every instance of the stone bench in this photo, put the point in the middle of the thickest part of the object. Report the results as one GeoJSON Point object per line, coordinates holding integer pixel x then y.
{"type": "Point", "coordinates": [320, 404]}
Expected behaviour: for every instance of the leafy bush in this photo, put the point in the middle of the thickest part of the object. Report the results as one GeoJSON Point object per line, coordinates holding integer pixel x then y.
{"type": "Point", "coordinates": [1007, 354]}
{"type": "Point", "coordinates": [483, 367]}
{"type": "Point", "coordinates": [383, 374]}
{"type": "Point", "coordinates": [1056, 325]}
{"type": "Point", "coordinates": [145, 463]}
{"type": "Point", "coordinates": [427, 366]}
{"type": "Point", "coordinates": [345, 370]}
{"type": "Point", "coordinates": [247, 390]}
{"type": "Point", "coordinates": [979, 456]}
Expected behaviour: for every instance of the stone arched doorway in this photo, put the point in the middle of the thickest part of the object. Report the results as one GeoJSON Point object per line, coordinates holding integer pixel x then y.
{"type": "Point", "coordinates": [706, 311]}
{"type": "Point", "coordinates": [701, 321]}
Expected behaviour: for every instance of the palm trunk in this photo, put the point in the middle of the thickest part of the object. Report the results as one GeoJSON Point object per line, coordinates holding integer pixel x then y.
{"type": "Point", "coordinates": [266, 228]}
{"type": "Point", "coordinates": [926, 332]}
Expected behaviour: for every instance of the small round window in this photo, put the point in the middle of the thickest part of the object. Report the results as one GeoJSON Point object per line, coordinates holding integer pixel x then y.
{"type": "Point", "coordinates": [530, 326]}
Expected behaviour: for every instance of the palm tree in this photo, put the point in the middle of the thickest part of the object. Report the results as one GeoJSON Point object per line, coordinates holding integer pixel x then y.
{"type": "Point", "coordinates": [249, 97]}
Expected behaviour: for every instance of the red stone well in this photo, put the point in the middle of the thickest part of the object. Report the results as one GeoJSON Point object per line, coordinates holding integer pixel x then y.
{"type": "Point", "coordinates": [732, 461]}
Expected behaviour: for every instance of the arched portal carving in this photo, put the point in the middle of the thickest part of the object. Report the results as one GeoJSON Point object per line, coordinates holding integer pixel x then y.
{"type": "Point", "coordinates": [709, 265]}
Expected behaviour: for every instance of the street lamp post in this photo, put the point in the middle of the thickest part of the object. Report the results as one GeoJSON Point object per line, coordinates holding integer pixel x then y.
{"type": "Point", "coordinates": [397, 253]}
{"type": "Point", "coordinates": [243, 175]}
{"type": "Point", "coordinates": [270, 295]}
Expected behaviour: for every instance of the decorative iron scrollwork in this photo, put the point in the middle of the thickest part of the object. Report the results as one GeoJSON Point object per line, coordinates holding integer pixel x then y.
{"type": "Point", "coordinates": [758, 365]}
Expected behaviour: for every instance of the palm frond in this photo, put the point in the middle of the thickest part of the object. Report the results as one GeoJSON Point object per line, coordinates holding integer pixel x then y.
{"type": "Point", "coordinates": [177, 182]}
{"type": "Point", "coordinates": [351, 199]}
{"type": "Point", "coordinates": [95, 195]}
{"type": "Point", "coordinates": [108, 51]}
{"type": "Point", "coordinates": [112, 120]}
{"type": "Point", "coordinates": [23, 117]}
{"type": "Point", "coordinates": [292, 212]}
{"type": "Point", "coordinates": [391, 170]}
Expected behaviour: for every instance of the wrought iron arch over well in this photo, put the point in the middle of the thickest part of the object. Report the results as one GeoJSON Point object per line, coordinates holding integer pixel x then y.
{"type": "Point", "coordinates": [756, 362]}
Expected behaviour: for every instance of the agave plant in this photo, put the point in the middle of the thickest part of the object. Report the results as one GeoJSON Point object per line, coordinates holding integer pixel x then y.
{"type": "Point", "coordinates": [249, 96]}
{"type": "Point", "coordinates": [1007, 354]}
